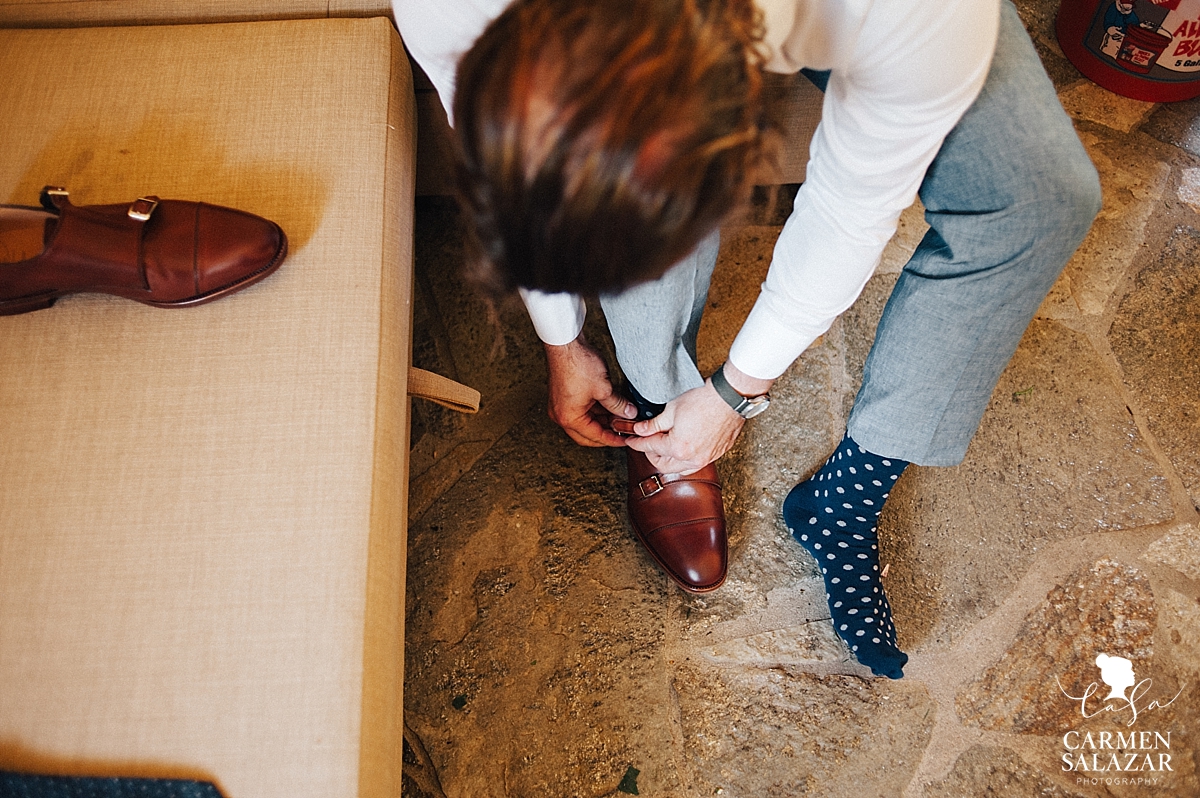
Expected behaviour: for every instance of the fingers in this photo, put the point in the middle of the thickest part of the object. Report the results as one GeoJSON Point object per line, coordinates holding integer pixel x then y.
{"type": "Point", "coordinates": [618, 405]}
{"type": "Point", "coordinates": [647, 446]}
{"type": "Point", "coordinates": [663, 455]}
{"type": "Point", "coordinates": [589, 430]}
{"type": "Point", "coordinates": [581, 396]}
{"type": "Point", "coordinates": [663, 423]}
{"type": "Point", "coordinates": [695, 429]}
{"type": "Point", "coordinates": [669, 465]}
{"type": "Point", "coordinates": [653, 426]}
{"type": "Point", "coordinates": [594, 436]}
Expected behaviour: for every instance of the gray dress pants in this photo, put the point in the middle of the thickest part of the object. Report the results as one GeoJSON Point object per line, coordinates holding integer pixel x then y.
{"type": "Point", "coordinates": [1008, 198]}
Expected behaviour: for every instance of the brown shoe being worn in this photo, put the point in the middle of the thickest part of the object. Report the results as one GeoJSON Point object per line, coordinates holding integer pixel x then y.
{"type": "Point", "coordinates": [681, 522]}
{"type": "Point", "coordinates": [166, 253]}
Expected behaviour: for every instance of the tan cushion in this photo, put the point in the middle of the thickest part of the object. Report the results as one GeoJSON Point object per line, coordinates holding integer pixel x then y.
{"type": "Point", "coordinates": [73, 13]}
{"type": "Point", "coordinates": [202, 511]}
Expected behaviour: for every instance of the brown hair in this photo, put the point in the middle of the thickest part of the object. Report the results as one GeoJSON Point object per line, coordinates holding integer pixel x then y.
{"type": "Point", "coordinates": [601, 140]}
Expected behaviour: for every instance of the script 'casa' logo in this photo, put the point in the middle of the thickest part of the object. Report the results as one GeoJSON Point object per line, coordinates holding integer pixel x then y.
{"type": "Point", "coordinates": [1117, 673]}
{"type": "Point", "coordinates": [1107, 757]}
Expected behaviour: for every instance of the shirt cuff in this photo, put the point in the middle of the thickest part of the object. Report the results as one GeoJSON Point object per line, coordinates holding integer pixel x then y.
{"type": "Point", "coordinates": [557, 318]}
{"type": "Point", "coordinates": [766, 346]}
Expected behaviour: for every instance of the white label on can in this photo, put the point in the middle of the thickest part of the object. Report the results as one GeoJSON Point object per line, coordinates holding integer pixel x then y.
{"type": "Point", "coordinates": [1183, 24]}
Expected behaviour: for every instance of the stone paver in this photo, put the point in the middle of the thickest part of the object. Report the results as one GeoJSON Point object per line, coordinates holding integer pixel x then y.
{"type": "Point", "coordinates": [1107, 608]}
{"type": "Point", "coordinates": [1180, 549]}
{"type": "Point", "coordinates": [1086, 100]}
{"type": "Point", "coordinates": [1180, 616]}
{"type": "Point", "coordinates": [540, 668]}
{"type": "Point", "coordinates": [1177, 124]}
{"type": "Point", "coordinates": [547, 656]}
{"type": "Point", "coordinates": [749, 732]}
{"type": "Point", "coordinates": [1156, 339]}
{"type": "Point", "coordinates": [1189, 188]}
{"type": "Point", "coordinates": [997, 773]}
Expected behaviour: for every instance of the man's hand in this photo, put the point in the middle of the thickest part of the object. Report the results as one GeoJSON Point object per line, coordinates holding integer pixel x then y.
{"type": "Point", "coordinates": [696, 428]}
{"type": "Point", "coordinates": [582, 396]}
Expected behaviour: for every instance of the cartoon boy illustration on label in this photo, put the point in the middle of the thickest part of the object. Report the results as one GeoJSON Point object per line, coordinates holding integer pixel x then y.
{"type": "Point", "coordinates": [1119, 17]}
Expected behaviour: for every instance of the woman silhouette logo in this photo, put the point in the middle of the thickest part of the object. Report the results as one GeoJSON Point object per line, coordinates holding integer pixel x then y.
{"type": "Point", "coordinates": [1117, 673]}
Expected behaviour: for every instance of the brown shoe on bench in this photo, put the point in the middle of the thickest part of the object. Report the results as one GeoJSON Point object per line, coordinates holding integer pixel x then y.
{"type": "Point", "coordinates": [166, 253]}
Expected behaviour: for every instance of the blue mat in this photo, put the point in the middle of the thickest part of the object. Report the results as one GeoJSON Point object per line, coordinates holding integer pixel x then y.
{"type": "Point", "coordinates": [17, 785]}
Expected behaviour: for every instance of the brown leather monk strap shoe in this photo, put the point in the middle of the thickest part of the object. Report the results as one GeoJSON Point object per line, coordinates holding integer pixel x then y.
{"type": "Point", "coordinates": [166, 253]}
{"type": "Point", "coordinates": [681, 522]}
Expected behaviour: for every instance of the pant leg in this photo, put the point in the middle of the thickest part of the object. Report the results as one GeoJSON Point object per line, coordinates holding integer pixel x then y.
{"type": "Point", "coordinates": [654, 325]}
{"type": "Point", "coordinates": [1009, 198]}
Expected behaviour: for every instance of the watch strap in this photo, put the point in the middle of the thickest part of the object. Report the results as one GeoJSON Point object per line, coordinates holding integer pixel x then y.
{"type": "Point", "coordinates": [740, 404]}
{"type": "Point", "coordinates": [725, 390]}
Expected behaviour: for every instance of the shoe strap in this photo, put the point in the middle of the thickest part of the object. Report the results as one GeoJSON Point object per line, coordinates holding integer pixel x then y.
{"type": "Point", "coordinates": [55, 198]}
{"type": "Point", "coordinates": [99, 244]}
{"type": "Point", "coordinates": [656, 483]}
{"type": "Point", "coordinates": [141, 208]}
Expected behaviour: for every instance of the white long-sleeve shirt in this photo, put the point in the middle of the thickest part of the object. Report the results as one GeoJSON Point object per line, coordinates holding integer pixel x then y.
{"type": "Point", "coordinates": [903, 73]}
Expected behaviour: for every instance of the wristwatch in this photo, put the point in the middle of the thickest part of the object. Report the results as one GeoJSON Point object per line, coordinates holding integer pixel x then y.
{"type": "Point", "coordinates": [744, 406]}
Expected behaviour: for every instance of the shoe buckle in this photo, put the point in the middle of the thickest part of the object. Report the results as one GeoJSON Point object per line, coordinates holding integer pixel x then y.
{"type": "Point", "coordinates": [49, 193]}
{"type": "Point", "coordinates": [142, 207]}
{"type": "Point", "coordinates": [650, 486]}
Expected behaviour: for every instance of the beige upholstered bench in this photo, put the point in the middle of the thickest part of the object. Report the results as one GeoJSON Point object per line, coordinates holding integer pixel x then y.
{"type": "Point", "coordinates": [202, 511]}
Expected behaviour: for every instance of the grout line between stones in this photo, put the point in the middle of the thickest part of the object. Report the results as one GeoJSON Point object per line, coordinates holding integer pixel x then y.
{"type": "Point", "coordinates": [1180, 498]}
{"type": "Point", "coordinates": [677, 736]}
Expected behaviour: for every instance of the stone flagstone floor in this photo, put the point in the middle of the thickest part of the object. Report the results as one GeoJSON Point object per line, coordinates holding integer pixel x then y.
{"type": "Point", "coordinates": [547, 656]}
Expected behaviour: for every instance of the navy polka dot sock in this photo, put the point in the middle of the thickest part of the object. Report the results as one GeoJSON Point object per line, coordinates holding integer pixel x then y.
{"type": "Point", "coordinates": [833, 515]}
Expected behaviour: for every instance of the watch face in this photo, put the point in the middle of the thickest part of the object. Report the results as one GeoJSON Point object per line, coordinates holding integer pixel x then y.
{"type": "Point", "coordinates": [752, 407]}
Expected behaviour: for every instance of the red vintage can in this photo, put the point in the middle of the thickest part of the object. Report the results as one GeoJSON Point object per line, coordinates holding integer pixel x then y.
{"type": "Point", "coordinates": [1144, 49]}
